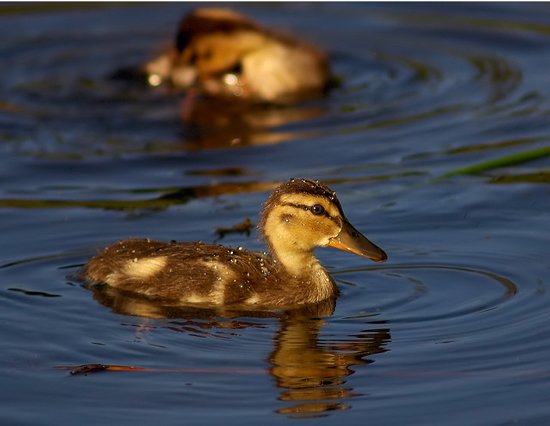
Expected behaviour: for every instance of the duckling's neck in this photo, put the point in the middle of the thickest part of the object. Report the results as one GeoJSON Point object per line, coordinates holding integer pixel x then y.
{"type": "Point", "coordinates": [304, 268]}
{"type": "Point", "coordinates": [296, 263]}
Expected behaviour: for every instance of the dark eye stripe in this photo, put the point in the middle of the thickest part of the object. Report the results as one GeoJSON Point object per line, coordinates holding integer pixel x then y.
{"type": "Point", "coordinates": [308, 208]}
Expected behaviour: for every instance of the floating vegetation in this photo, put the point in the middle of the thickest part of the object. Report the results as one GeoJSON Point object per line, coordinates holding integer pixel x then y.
{"type": "Point", "coordinates": [33, 292]}
{"type": "Point", "coordinates": [239, 228]}
{"type": "Point", "coordinates": [506, 161]}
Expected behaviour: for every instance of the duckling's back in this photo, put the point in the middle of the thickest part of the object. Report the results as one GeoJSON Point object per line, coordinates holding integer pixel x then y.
{"type": "Point", "coordinates": [186, 273]}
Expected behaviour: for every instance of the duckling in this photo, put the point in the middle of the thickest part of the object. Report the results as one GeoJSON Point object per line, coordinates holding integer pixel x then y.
{"type": "Point", "coordinates": [230, 55]}
{"type": "Point", "coordinates": [298, 216]}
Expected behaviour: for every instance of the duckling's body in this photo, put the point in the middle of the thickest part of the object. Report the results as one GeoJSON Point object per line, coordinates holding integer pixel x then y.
{"type": "Point", "coordinates": [195, 273]}
{"type": "Point", "coordinates": [228, 54]}
{"type": "Point", "coordinates": [297, 217]}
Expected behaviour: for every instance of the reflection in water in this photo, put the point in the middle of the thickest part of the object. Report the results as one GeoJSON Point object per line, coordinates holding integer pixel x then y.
{"type": "Point", "coordinates": [536, 177]}
{"type": "Point", "coordinates": [217, 123]}
{"type": "Point", "coordinates": [502, 76]}
{"type": "Point", "coordinates": [173, 195]}
{"type": "Point", "coordinates": [310, 373]}
{"type": "Point", "coordinates": [168, 197]}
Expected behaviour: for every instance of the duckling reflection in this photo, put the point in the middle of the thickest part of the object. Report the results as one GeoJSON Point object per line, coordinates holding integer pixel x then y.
{"type": "Point", "coordinates": [227, 54]}
{"type": "Point", "coordinates": [312, 376]}
{"type": "Point", "coordinates": [217, 123]}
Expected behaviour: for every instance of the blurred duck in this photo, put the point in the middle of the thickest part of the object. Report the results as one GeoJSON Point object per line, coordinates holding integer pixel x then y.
{"type": "Point", "coordinates": [297, 217]}
{"type": "Point", "coordinates": [226, 54]}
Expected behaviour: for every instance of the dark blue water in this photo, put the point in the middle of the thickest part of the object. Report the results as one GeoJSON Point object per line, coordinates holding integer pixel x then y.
{"type": "Point", "coordinates": [437, 143]}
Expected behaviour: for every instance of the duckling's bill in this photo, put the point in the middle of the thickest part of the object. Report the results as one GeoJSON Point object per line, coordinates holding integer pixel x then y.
{"type": "Point", "coordinates": [351, 240]}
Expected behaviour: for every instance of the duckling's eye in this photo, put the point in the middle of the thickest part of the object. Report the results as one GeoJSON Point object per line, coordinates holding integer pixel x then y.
{"type": "Point", "coordinates": [317, 209]}
{"type": "Point", "coordinates": [237, 69]}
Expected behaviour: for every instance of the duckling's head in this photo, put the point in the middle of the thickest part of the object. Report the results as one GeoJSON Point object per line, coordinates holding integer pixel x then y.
{"type": "Point", "coordinates": [303, 214]}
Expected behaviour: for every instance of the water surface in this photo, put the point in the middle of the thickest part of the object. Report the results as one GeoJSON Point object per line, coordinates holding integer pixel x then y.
{"type": "Point", "coordinates": [437, 142]}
